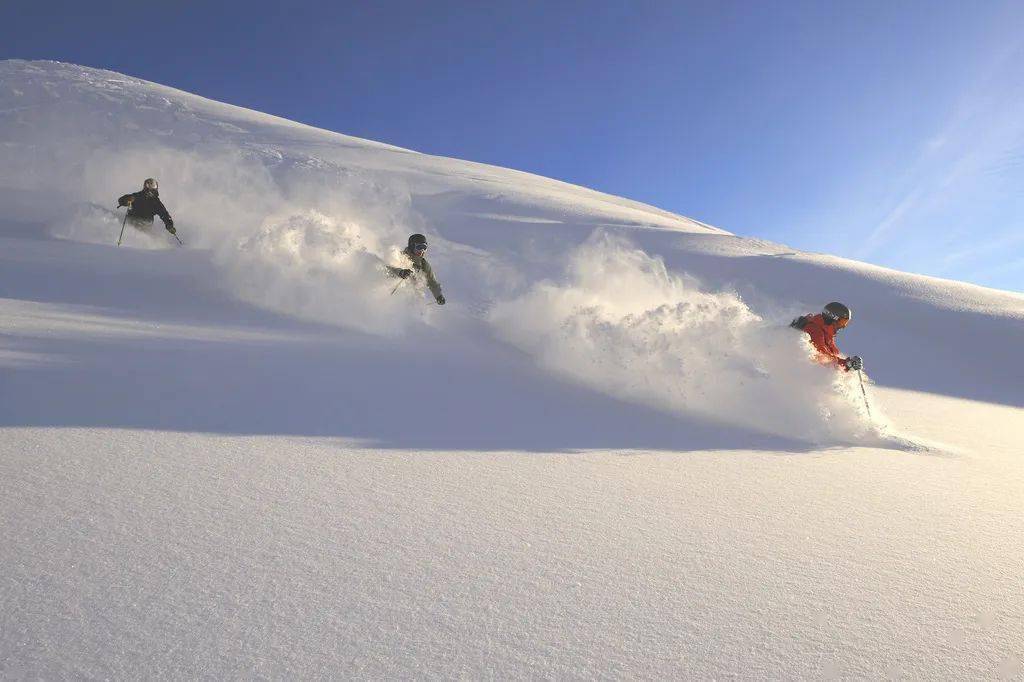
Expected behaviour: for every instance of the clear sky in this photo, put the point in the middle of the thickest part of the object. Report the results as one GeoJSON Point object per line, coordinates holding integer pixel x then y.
{"type": "Point", "coordinates": [891, 132]}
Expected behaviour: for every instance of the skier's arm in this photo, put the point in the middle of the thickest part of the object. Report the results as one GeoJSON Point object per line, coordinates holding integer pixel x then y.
{"type": "Point", "coordinates": [397, 272]}
{"type": "Point", "coordinates": [825, 347]}
{"type": "Point", "coordinates": [126, 200]}
{"type": "Point", "coordinates": [432, 283]}
{"type": "Point", "coordinates": [834, 353]}
{"type": "Point", "coordinates": [161, 211]}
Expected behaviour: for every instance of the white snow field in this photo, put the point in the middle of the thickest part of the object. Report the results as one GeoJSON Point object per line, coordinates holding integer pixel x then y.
{"type": "Point", "coordinates": [606, 457]}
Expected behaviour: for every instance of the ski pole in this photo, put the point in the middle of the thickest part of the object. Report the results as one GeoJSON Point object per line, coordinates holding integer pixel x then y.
{"type": "Point", "coordinates": [396, 287]}
{"type": "Point", "coordinates": [123, 223]}
{"type": "Point", "coordinates": [175, 235]}
{"type": "Point", "coordinates": [867, 405]}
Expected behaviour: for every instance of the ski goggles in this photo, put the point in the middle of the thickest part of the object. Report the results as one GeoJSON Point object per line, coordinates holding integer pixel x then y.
{"type": "Point", "coordinates": [835, 320]}
{"type": "Point", "coordinates": [419, 248]}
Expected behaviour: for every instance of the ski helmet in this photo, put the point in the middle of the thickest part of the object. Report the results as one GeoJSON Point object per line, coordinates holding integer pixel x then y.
{"type": "Point", "coordinates": [836, 311]}
{"type": "Point", "coordinates": [417, 240]}
{"type": "Point", "coordinates": [150, 183]}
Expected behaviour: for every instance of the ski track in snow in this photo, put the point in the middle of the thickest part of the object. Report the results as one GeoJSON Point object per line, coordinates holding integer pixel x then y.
{"type": "Point", "coordinates": [606, 456]}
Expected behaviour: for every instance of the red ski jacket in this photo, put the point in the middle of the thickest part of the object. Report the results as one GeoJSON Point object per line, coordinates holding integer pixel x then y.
{"type": "Point", "coordinates": [823, 336]}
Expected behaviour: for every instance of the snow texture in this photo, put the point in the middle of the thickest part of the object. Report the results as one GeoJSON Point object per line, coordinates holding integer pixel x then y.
{"type": "Point", "coordinates": [607, 456]}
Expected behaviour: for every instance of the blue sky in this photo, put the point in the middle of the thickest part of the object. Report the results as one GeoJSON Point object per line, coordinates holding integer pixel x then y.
{"type": "Point", "coordinates": [891, 132]}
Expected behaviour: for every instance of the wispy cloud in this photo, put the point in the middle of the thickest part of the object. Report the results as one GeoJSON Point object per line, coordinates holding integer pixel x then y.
{"type": "Point", "coordinates": [1013, 266]}
{"type": "Point", "coordinates": [1015, 238]}
{"type": "Point", "coordinates": [980, 144]}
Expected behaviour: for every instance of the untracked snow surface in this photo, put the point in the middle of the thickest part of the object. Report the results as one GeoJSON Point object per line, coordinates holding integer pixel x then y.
{"type": "Point", "coordinates": [606, 456]}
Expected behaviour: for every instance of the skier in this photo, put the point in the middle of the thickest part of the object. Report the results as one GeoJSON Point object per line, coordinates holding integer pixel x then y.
{"type": "Point", "coordinates": [142, 206]}
{"type": "Point", "coordinates": [823, 328]}
{"type": "Point", "coordinates": [413, 255]}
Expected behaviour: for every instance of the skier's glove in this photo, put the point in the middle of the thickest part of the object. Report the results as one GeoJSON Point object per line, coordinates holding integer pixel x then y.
{"type": "Point", "coordinates": [170, 228]}
{"type": "Point", "coordinates": [403, 273]}
{"type": "Point", "coordinates": [124, 201]}
{"type": "Point", "coordinates": [855, 363]}
{"type": "Point", "coordinates": [440, 299]}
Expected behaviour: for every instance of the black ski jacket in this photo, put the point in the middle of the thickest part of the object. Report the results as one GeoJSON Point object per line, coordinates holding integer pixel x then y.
{"type": "Point", "coordinates": [144, 205]}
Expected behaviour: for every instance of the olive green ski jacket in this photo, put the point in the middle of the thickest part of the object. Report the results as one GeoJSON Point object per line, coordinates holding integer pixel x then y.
{"type": "Point", "coordinates": [419, 265]}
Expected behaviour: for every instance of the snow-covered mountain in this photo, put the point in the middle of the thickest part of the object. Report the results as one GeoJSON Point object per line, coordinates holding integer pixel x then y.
{"type": "Point", "coordinates": [606, 455]}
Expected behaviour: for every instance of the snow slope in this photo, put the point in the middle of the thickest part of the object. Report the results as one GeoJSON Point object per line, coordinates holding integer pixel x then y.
{"type": "Point", "coordinates": [606, 456]}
